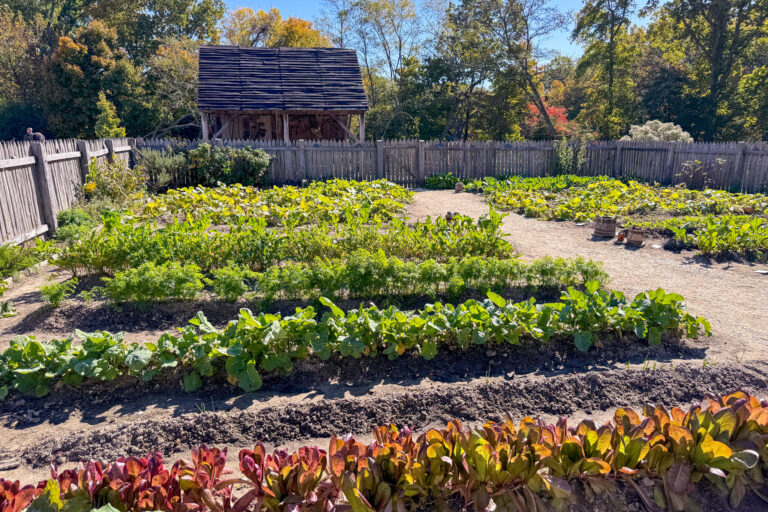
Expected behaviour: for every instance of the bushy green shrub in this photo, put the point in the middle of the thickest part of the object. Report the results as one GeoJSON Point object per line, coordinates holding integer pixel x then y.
{"type": "Point", "coordinates": [72, 224]}
{"type": "Point", "coordinates": [54, 293]}
{"type": "Point", "coordinates": [228, 165]}
{"type": "Point", "coordinates": [154, 283]}
{"type": "Point", "coordinates": [115, 181]}
{"type": "Point", "coordinates": [162, 167]}
{"type": "Point", "coordinates": [441, 181]}
{"type": "Point", "coordinates": [656, 131]}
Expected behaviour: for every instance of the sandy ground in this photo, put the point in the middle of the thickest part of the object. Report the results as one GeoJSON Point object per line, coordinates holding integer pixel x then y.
{"type": "Point", "coordinates": [106, 422]}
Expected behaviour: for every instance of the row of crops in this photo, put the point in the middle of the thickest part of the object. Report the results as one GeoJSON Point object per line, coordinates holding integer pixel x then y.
{"type": "Point", "coordinates": [328, 242]}
{"type": "Point", "coordinates": [718, 223]}
{"type": "Point", "coordinates": [660, 454]}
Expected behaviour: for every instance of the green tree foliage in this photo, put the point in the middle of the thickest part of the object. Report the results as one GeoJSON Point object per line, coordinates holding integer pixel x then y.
{"type": "Point", "coordinates": [607, 64]}
{"type": "Point", "coordinates": [79, 70]}
{"type": "Point", "coordinates": [712, 40]}
{"type": "Point", "coordinates": [107, 122]}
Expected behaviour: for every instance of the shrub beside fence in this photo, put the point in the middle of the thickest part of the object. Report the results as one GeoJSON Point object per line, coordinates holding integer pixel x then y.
{"type": "Point", "coordinates": [31, 193]}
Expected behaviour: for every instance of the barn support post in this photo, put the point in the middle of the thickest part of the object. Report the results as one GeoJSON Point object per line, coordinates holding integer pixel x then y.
{"type": "Point", "coordinates": [361, 119]}
{"type": "Point", "coordinates": [286, 131]}
{"type": "Point", "coordinates": [204, 125]}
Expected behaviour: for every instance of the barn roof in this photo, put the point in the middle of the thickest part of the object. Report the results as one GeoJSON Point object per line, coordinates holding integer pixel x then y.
{"type": "Point", "coordinates": [245, 78]}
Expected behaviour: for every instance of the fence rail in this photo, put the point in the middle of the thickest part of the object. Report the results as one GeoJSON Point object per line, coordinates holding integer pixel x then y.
{"type": "Point", "coordinates": [38, 180]}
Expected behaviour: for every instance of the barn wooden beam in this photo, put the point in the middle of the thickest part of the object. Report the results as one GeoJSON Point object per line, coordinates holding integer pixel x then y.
{"type": "Point", "coordinates": [223, 127]}
{"type": "Point", "coordinates": [346, 129]}
{"type": "Point", "coordinates": [286, 131]}
{"type": "Point", "coordinates": [361, 118]}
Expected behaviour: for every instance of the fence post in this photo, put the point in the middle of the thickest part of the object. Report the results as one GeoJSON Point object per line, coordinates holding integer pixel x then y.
{"type": "Point", "coordinates": [379, 159]}
{"type": "Point", "coordinates": [43, 188]}
{"type": "Point", "coordinates": [110, 150]}
{"type": "Point", "coordinates": [133, 153]}
{"type": "Point", "coordinates": [617, 167]}
{"type": "Point", "coordinates": [670, 166]}
{"type": "Point", "coordinates": [303, 171]}
{"type": "Point", "coordinates": [85, 163]}
{"type": "Point", "coordinates": [738, 165]}
{"type": "Point", "coordinates": [420, 161]}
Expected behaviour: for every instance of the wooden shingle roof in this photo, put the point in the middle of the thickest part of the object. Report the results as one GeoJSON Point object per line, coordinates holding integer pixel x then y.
{"type": "Point", "coordinates": [276, 79]}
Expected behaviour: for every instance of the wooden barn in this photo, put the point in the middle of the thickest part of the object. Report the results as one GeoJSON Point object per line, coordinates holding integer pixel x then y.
{"type": "Point", "coordinates": [280, 93]}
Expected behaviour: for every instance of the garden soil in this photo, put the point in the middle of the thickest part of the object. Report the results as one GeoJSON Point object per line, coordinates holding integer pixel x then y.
{"type": "Point", "coordinates": [352, 396]}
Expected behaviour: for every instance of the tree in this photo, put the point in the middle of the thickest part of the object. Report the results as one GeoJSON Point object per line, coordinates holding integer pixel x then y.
{"type": "Point", "coordinates": [710, 38]}
{"type": "Point", "coordinates": [518, 26]}
{"type": "Point", "coordinates": [172, 80]}
{"type": "Point", "coordinates": [82, 67]}
{"type": "Point", "coordinates": [244, 27]}
{"type": "Point", "coordinates": [466, 55]}
{"type": "Point", "coordinates": [599, 26]}
{"type": "Point", "coordinates": [20, 59]}
{"type": "Point", "coordinates": [142, 25]}
{"type": "Point", "coordinates": [611, 101]}
{"type": "Point", "coordinates": [107, 122]}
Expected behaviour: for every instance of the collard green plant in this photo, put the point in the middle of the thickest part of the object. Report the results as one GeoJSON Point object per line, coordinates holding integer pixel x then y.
{"type": "Point", "coordinates": [255, 344]}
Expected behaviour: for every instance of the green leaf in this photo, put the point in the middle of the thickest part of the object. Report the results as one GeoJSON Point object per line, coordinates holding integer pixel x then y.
{"type": "Point", "coordinates": [49, 500]}
{"type": "Point", "coordinates": [3, 392]}
{"type": "Point", "coordinates": [654, 336]}
{"type": "Point", "coordinates": [137, 359]}
{"type": "Point", "coordinates": [429, 349]}
{"type": "Point", "coordinates": [583, 340]}
{"type": "Point", "coordinates": [192, 382]}
{"type": "Point", "coordinates": [497, 299]}
{"type": "Point", "coordinates": [106, 508]}
{"type": "Point", "coordinates": [335, 310]}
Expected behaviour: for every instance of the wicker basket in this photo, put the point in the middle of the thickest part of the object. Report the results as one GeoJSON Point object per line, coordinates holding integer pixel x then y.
{"type": "Point", "coordinates": [605, 227]}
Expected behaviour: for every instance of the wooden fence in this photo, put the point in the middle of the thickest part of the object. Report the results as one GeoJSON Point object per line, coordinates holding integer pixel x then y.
{"type": "Point", "coordinates": [733, 166]}
{"type": "Point", "coordinates": [39, 180]}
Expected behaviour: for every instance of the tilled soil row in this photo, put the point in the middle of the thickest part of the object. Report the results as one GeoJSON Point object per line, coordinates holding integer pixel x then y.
{"type": "Point", "coordinates": [420, 406]}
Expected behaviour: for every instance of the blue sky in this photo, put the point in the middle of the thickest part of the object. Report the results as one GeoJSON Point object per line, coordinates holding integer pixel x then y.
{"type": "Point", "coordinates": [310, 9]}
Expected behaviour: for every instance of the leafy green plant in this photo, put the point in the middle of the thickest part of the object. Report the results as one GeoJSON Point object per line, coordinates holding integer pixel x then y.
{"type": "Point", "coordinates": [265, 342]}
{"type": "Point", "coordinates": [73, 224]}
{"type": "Point", "coordinates": [718, 446]}
{"type": "Point", "coordinates": [366, 274]}
{"type": "Point", "coordinates": [231, 282]}
{"type": "Point", "coordinates": [154, 283]}
{"type": "Point", "coordinates": [7, 308]}
{"type": "Point", "coordinates": [441, 181]}
{"type": "Point", "coordinates": [115, 181]}
{"type": "Point", "coordinates": [54, 293]}
{"type": "Point", "coordinates": [317, 202]}
{"type": "Point", "coordinates": [14, 258]}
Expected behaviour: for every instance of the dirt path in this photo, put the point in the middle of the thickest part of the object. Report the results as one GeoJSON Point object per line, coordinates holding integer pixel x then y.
{"type": "Point", "coordinates": [730, 295]}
